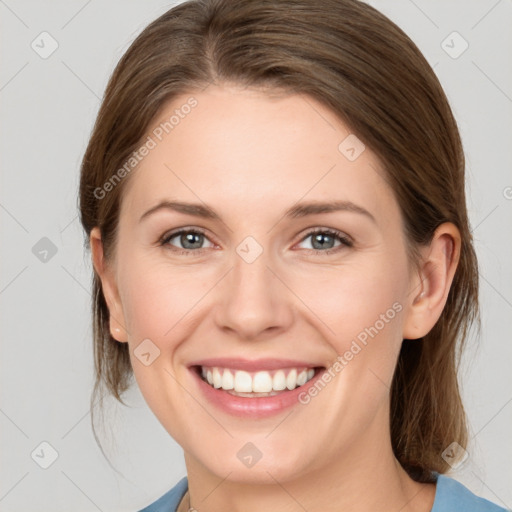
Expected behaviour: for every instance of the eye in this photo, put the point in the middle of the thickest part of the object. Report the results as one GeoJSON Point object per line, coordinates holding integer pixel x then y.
{"type": "Point", "coordinates": [190, 241]}
{"type": "Point", "coordinates": [324, 241]}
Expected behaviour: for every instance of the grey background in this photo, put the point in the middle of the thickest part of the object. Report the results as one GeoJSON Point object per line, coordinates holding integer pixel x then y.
{"type": "Point", "coordinates": [47, 110]}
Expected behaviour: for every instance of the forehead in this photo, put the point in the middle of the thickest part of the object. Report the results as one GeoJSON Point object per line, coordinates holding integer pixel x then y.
{"type": "Point", "coordinates": [244, 149]}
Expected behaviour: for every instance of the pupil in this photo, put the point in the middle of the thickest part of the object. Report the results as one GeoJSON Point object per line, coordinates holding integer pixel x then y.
{"type": "Point", "coordinates": [193, 239]}
{"type": "Point", "coordinates": [321, 239]}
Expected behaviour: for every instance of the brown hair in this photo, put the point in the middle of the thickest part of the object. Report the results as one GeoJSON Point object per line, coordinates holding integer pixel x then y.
{"type": "Point", "coordinates": [354, 60]}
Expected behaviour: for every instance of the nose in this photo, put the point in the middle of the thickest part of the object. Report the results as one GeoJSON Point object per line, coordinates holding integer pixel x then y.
{"type": "Point", "coordinates": [254, 303]}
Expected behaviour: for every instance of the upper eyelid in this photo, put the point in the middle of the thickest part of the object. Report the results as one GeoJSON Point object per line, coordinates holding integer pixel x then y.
{"type": "Point", "coordinates": [168, 235]}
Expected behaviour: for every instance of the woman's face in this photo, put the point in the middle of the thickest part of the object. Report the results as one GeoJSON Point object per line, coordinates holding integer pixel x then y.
{"type": "Point", "coordinates": [273, 280]}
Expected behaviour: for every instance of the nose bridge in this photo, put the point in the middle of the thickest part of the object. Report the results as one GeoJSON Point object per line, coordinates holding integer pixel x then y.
{"type": "Point", "coordinates": [254, 301]}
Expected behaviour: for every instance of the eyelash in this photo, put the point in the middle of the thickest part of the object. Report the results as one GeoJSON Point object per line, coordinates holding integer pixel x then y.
{"type": "Point", "coordinates": [345, 241]}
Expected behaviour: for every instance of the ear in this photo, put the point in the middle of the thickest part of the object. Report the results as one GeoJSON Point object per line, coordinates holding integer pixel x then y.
{"type": "Point", "coordinates": [431, 285]}
{"type": "Point", "coordinates": [109, 287]}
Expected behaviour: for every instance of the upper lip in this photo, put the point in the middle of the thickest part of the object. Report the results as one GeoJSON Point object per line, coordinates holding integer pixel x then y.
{"type": "Point", "coordinates": [252, 365]}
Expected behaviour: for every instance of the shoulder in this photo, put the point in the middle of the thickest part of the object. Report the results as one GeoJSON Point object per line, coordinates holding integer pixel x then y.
{"type": "Point", "coordinates": [170, 500]}
{"type": "Point", "coordinates": [452, 496]}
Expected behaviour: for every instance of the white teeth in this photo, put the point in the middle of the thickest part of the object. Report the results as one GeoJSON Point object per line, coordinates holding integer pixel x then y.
{"type": "Point", "coordinates": [228, 381]}
{"type": "Point", "coordinates": [243, 382]}
{"type": "Point", "coordinates": [279, 380]}
{"type": "Point", "coordinates": [302, 378]}
{"type": "Point", "coordinates": [217, 378]}
{"type": "Point", "coordinates": [262, 382]}
{"type": "Point", "coordinates": [291, 380]}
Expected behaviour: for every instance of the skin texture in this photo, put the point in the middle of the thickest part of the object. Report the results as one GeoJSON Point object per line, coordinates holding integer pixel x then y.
{"type": "Point", "coordinates": [249, 157]}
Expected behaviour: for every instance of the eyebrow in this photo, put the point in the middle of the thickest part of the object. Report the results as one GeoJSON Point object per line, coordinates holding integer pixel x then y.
{"type": "Point", "coordinates": [296, 211]}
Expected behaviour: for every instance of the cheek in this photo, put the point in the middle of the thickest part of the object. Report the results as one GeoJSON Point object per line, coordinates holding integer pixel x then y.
{"type": "Point", "coordinates": [157, 298]}
{"type": "Point", "coordinates": [148, 309]}
{"type": "Point", "coordinates": [158, 304]}
{"type": "Point", "coordinates": [346, 300]}
{"type": "Point", "coordinates": [359, 310]}
{"type": "Point", "coordinates": [163, 305]}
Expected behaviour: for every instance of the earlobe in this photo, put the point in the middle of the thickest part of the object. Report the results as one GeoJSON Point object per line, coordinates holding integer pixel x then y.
{"type": "Point", "coordinates": [109, 287]}
{"type": "Point", "coordinates": [117, 332]}
{"type": "Point", "coordinates": [429, 291]}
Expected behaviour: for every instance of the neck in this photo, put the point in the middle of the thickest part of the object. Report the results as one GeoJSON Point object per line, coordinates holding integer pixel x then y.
{"type": "Point", "coordinates": [366, 476]}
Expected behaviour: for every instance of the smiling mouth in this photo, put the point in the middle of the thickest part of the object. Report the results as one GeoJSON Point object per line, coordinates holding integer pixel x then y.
{"type": "Point", "coordinates": [256, 384]}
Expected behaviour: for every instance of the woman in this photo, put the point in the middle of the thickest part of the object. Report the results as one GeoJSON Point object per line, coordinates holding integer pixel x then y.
{"type": "Point", "coordinates": [274, 199]}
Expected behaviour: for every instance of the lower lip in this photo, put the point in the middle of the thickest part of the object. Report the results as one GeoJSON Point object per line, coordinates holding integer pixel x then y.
{"type": "Point", "coordinates": [258, 407]}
